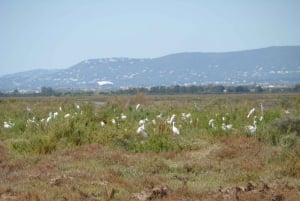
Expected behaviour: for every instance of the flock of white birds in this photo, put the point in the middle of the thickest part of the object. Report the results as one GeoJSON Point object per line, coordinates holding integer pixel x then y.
{"type": "Point", "coordinates": [34, 121]}
{"type": "Point", "coordinates": [141, 129]}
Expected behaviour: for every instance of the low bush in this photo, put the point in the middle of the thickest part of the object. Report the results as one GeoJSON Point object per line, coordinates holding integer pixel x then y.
{"type": "Point", "coordinates": [284, 131]}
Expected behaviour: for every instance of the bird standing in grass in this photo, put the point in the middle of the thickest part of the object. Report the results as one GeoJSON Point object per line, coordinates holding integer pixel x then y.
{"type": "Point", "coordinates": [141, 130]}
{"type": "Point", "coordinates": [211, 123]}
{"type": "Point", "coordinates": [175, 130]}
{"type": "Point", "coordinates": [250, 112]}
{"type": "Point", "coordinates": [226, 127]}
{"type": "Point", "coordinates": [8, 124]}
{"type": "Point", "coordinates": [169, 121]}
{"type": "Point", "coordinates": [252, 128]}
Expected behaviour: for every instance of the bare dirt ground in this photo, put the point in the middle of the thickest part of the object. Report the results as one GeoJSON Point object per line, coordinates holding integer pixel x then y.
{"type": "Point", "coordinates": [232, 168]}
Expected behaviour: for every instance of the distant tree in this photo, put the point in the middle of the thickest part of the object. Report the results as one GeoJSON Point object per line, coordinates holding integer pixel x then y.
{"type": "Point", "coordinates": [162, 89]}
{"type": "Point", "coordinates": [241, 89]}
{"type": "Point", "coordinates": [297, 88]}
{"type": "Point", "coordinates": [259, 89]}
{"type": "Point", "coordinates": [47, 91]}
{"type": "Point", "coordinates": [219, 89]}
{"type": "Point", "coordinates": [176, 89]}
{"type": "Point", "coordinates": [16, 92]}
{"type": "Point", "coordinates": [154, 90]}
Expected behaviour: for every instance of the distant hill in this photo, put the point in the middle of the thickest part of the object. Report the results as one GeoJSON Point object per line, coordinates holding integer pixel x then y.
{"type": "Point", "coordinates": [272, 65]}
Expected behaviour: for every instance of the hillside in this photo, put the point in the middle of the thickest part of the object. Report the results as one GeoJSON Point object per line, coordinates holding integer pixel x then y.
{"type": "Point", "coordinates": [273, 65]}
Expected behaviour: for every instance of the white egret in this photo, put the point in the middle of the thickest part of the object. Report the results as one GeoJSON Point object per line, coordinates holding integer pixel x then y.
{"type": "Point", "coordinates": [159, 116]}
{"type": "Point", "coordinates": [49, 117]}
{"type": "Point", "coordinates": [169, 121]}
{"type": "Point", "coordinates": [188, 115]}
{"type": "Point", "coordinates": [55, 114]}
{"type": "Point", "coordinates": [102, 123]}
{"type": "Point", "coordinates": [141, 130]}
{"type": "Point", "coordinates": [32, 121]}
{"type": "Point", "coordinates": [252, 128]}
{"type": "Point", "coordinates": [251, 112]}
{"type": "Point", "coordinates": [262, 109]}
{"type": "Point", "coordinates": [185, 117]}
{"type": "Point", "coordinates": [143, 121]}
{"type": "Point", "coordinates": [226, 127]}
{"type": "Point", "coordinates": [123, 116]}
{"type": "Point", "coordinates": [67, 115]}
{"type": "Point", "coordinates": [137, 107]}
{"type": "Point", "coordinates": [7, 125]}
{"type": "Point", "coordinates": [211, 123]}
{"type": "Point", "coordinates": [175, 130]}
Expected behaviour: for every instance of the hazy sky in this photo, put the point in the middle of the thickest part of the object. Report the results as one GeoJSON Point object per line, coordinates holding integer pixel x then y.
{"type": "Point", "coordinates": [60, 33]}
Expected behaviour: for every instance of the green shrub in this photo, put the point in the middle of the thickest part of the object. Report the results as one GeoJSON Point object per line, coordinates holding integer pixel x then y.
{"type": "Point", "coordinates": [284, 131]}
{"type": "Point", "coordinates": [155, 143]}
{"type": "Point", "coordinates": [20, 145]}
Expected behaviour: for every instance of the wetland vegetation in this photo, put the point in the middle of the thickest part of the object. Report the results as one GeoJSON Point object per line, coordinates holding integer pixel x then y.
{"type": "Point", "coordinates": [89, 148]}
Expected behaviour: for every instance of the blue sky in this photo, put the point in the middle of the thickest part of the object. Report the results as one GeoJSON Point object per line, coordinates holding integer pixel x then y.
{"type": "Point", "coordinates": [60, 33]}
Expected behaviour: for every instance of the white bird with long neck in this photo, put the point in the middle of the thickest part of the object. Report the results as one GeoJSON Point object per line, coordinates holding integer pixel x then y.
{"type": "Point", "coordinates": [159, 116]}
{"type": "Point", "coordinates": [251, 112]}
{"type": "Point", "coordinates": [211, 123]}
{"type": "Point", "coordinates": [55, 114]}
{"type": "Point", "coordinates": [141, 130]}
{"type": "Point", "coordinates": [49, 117]}
{"type": "Point", "coordinates": [185, 117]}
{"type": "Point", "coordinates": [252, 128]}
{"type": "Point", "coordinates": [169, 121]}
{"type": "Point", "coordinates": [262, 109]}
{"type": "Point", "coordinates": [137, 107]}
{"type": "Point", "coordinates": [143, 121]}
{"type": "Point", "coordinates": [175, 130]}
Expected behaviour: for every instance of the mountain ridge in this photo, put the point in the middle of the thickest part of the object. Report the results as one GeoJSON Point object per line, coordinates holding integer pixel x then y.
{"type": "Point", "coordinates": [269, 65]}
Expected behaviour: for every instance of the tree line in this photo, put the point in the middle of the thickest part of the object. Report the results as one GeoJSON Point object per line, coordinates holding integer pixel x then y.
{"type": "Point", "coordinates": [176, 89]}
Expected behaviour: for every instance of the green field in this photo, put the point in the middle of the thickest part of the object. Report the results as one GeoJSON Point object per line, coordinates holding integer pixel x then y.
{"type": "Point", "coordinates": [88, 148]}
